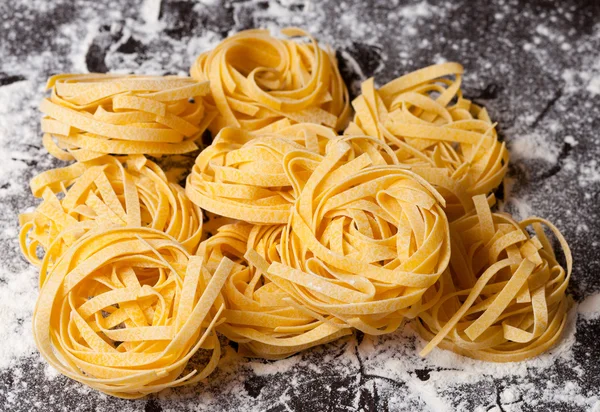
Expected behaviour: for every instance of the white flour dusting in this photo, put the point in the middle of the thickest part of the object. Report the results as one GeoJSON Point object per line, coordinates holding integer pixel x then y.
{"type": "Point", "coordinates": [589, 309]}
{"type": "Point", "coordinates": [17, 299]}
{"type": "Point", "coordinates": [533, 146]}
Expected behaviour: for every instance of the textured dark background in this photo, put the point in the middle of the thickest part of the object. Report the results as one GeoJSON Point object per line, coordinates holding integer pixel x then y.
{"type": "Point", "coordinates": [534, 64]}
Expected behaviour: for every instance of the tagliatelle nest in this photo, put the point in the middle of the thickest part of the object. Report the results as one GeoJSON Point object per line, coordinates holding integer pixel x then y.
{"type": "Point", "coordinates": [257, 79]}
{"type": "Point", "coordinates": [89, 115]}
{"type": "Point", "coordinates": [445, 138]}
{"type": "Point", "coordinates": [108, 191]}
{"type": "Point", "coordinates": [503, 295]}
{"type": "Point", "coordinates": [259, 315]}
{"type": "Point", "coordinates": [123, 310]}
{"type": "Point", "coordinates": [364, 243]}
{"type": "Point", "coordinates": [253, 177]}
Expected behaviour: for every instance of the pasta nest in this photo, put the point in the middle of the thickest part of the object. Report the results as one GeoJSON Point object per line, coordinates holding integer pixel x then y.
{"type": "Point", "coordinates": [251, 177]}
{"type": "Point", "coordinates": [108, 191]}
{"type": "Point", "coordinates": [442, 136]}
{"type": "Point", "coordinates": [364, 242]}
{"type": "Point", "coordinates": [89, 115]}
{"type": "Point", "coordinates": [503, 295]}
{"type": "Point", "coordinates": [259, 315]}
{"type": "Point", "coordinates": [257, 79]}
{"type": "Point", "coordinates": [124, 310]}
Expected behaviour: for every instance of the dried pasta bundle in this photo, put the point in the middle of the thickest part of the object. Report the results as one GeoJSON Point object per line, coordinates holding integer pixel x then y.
{"type": "Point", "coordinates": [259, 315]}
{"type": "Point", "coordinates": [89, 115]}
{"type": "Point", "coordinates": [243, 175]}
{"type": "Point", "coordinates": [442, 136]}
{"type": "Point", "coordinates": [107, 191]}
{"type": "Point", "coordinates": [124, 310]}
{"type": "Point", "coordinates": [503, 295]}
{"type": "Point", "coordinates": [364, 242]}
{"type": "Point", "coordinates": [257, 79]}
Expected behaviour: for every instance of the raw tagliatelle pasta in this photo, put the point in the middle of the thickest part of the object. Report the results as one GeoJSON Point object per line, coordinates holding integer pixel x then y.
{"type": "Point", "coordinates": [259, 315]}
{"type": "Point", "coordinates": [363, 243]}
{"type": "Point", "coordinates": [503, 295]}
{"type": "Point", "coordinates": [257, 79]}
{"type": "Point", "coordinates": [89, 115]}
{"type": "Point", "coordinates": [445, 138]}
{"type": "Point", "coordinates": [107, 191]}
{"type": "Point", "coordinates": [287, 235]}
{"type": "Point", "coordinates": [123, 310]}
{"type": "Point", "coordinates": [246, 176]}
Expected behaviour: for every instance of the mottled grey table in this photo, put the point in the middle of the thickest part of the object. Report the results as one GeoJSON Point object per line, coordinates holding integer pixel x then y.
{"type": "Point", "coordinates": [534, 64]}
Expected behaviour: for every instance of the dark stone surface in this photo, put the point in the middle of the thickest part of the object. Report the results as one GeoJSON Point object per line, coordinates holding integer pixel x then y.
{"type": "Point", "coordinates": [535, 65]}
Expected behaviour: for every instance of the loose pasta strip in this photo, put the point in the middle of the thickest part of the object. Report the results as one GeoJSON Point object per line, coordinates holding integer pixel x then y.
{"type": "Point", "coordinates": [503, 295]}
{"type": "Point", "coordinates": [364, 242]}
{"type": "Point", "coordinates": [243, 175]}
{"type": "Point", "coordinates": [89, 115]}
{"type": "Point", "coordinates": [259, 315]}
{"type": "Point", "coordinates": [257, 79]}
{"type": "Point", "coordinates": [123, 310]}
{"type": "Point", "coordinates": [445, 138]}
{"type": "Point", "coordinates": [107, 191]}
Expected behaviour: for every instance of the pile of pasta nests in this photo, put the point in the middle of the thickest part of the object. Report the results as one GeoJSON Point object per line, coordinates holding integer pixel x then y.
{"type": "Point", "coordinates": [317, 223]}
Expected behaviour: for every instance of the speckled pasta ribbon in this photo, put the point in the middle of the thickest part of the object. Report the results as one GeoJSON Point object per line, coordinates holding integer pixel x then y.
{"type": "Point", "coordinates": [503, 296]}
{"type": "Point", "coordinates": [364, 242]}
{"type": "Point", "coordinates": [124, 309]}
{"type": "Point", "coordinates": [107, 191]}
{"type": "Point", "coordinates": [89, 115]}
{"type": "Point", "coordinates": [443, 137]}
{"type": "Point", "coordinates": [257, 79]}
{"type": "Point", "coordinates": [260, 315]}
{"type": "Point", "coordinates": [245, 176]}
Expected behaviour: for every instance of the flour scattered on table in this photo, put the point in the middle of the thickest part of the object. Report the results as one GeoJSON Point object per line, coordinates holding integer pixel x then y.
{"type": "Point", "coordinates": [533, 146]}
{"type": "Point", "coordinates": [590, 308]}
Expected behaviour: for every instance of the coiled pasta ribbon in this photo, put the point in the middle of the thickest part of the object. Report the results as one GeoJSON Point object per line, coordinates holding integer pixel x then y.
{"type": "Point", "coordinates": [443, 137]}
{"type": "Point", "coordinates": [259, 315]}
{"type": "Point", "coordinates": [107, 191]}
{"type": "Point", "coordinates": [363, 243]}
{"type": "Point", "coordinates": [123, 310]}
{"type": "Point", "coordinates": [89, 115]}
{"type": "Point", "coordinates": [503, 295]}
{"type": "Point", "coordinates": [257, 79]}
{"type": "Point", "coordinates": [243, 175]}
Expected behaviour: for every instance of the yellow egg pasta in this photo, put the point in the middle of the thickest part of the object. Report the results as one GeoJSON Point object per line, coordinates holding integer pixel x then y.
{"type": "Point", "coordinates": [287, 235]}
{"type": "Point", "coordinates": [107, 191]}
{"type": "Point", "coordinates": [503, 295]}
{"type": "Point", "coordinates": [259, 315]}
{"type": "Point", "coordinates": [364, 242]}
{"type": "Point", "coordinates": [257, 79]}
{"type": "Point", "coordinates": [123, 310]}
{"type": "Point", "coordinates": [243, 175]}
{"type": "Point", "coordinates": [89, 115]}
{"type": "Point", "coordinates": [445, 138]}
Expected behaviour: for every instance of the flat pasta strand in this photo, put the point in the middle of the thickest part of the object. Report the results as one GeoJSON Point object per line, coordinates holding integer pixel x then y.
{"type": "Point", "coordinates": [503, 296]}
{"type": "Point", "coordinates": [259, 315]}
{"type": "Point", "coordinates": [440, 135]}
{"type": "Point", "coordinates": [124, 309]}
{"type": "Point", "coordinates": [257, 79]}
{"type": "Point", "coordinates": [107, 191]}
{"type": "Point", "coordinates": [89, 115]}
